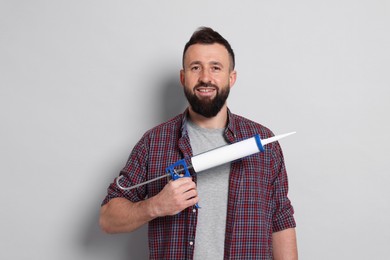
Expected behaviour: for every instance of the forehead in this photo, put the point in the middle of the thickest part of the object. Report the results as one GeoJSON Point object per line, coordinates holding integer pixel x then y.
{"type": "Point", "coordinates": [206, 53]}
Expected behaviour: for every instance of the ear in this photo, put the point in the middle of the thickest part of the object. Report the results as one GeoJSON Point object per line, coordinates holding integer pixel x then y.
{"type": "Point", "coordinates": [232, 78]}
{"type": "Point", "coordinates": [182, 78]}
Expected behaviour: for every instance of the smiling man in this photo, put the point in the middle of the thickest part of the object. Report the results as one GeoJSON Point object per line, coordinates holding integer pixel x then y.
{"type": "Point", "coordinates": [207, 77]}
{"type": "Point", "coordinates": [245, 213]}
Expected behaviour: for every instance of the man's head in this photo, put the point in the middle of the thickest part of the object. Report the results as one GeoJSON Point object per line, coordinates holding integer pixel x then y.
{"type": "Point", "coordinates": [206, 35]}
{"type": "Point", "coordinates": [208, 72]}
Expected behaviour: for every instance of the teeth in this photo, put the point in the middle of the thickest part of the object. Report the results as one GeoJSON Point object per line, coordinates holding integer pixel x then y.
{"type": "Point", "coordinates": [204, 90]}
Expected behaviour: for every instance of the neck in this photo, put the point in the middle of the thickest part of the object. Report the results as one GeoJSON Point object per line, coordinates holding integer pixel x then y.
{"type": "Point", "coordinates": [216, 122]}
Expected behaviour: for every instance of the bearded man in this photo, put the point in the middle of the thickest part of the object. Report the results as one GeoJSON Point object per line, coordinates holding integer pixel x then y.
{"type": "Point", "coordinates": [245, 212]}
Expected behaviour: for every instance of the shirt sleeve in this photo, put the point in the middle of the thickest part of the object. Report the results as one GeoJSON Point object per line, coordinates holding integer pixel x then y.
{"type": "Point", "coordinates": [134, 172]}
{"type": "Point", "coordinates": [283, 210]}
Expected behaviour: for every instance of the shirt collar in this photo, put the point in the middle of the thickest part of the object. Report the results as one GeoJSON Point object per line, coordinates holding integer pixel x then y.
{"type": "Point", "coordinates": [184, 123]}
{"type": "Point", "coordinates": [230, 130]}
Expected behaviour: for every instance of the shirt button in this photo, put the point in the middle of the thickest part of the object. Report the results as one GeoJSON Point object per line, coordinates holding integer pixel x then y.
{"type": "Point", "coordinates": [191, 243]}
{"type": "Point", "coordinates": [194, 210]}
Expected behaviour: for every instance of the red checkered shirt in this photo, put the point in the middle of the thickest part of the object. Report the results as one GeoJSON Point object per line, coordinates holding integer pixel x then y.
{"type": "Point", "coordinates": [257, 203]}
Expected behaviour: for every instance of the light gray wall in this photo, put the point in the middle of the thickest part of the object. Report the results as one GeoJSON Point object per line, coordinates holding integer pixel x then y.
{"type": "Point", "coordinates": [81, 81]}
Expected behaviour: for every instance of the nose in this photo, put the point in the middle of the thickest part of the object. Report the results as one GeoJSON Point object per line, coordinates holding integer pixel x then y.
{"type": "Point", "coordinates": [205, 76]}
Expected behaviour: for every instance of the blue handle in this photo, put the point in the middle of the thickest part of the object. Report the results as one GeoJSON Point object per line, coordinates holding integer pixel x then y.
{"type": "Point", "coordinates": [181, 164]}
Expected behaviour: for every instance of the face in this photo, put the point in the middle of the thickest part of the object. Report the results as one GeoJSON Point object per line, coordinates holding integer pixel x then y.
{"type": "Point", "coordinates": [207, 78]}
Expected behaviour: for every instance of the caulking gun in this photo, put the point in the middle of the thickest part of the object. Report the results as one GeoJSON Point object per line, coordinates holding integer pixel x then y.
{"type": "Point", "coordinates": [213, 158]}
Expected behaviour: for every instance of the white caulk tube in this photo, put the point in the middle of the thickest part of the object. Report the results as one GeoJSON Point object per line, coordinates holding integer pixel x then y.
{"type": "Point", "coordinates": [232, 152]}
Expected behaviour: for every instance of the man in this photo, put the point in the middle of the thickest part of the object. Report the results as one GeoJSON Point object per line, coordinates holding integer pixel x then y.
{"type": "Point", "coordinates": [245, 212]}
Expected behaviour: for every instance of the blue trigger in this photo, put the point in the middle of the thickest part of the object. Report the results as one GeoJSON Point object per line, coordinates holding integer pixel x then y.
{"type": "Point", "coordinates": [181, 166]}
{"type": "Point", "coordinates": [176, 174]}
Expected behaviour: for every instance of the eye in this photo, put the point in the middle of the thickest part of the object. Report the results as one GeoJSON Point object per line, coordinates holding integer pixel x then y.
{"type": "Point", "coordinates": [216, 68]}
{"type": "Point", "coordinates": [195, 68]}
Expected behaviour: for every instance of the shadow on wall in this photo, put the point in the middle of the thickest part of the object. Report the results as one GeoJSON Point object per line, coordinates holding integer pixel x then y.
{"type": "Point", "coordinates": [171, 100]}
{"type": "Point", "coordinates": [168, 101]}
{"type": "Point", "coordinates": [98, 245]}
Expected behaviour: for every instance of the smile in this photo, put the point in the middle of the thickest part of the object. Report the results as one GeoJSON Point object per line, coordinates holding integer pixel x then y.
{"type": "Point", "coordinates": [205, 90]}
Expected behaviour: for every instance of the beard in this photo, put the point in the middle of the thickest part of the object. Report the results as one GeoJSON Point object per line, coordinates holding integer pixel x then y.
{"type": "Point", "coordinates": [207, 107]}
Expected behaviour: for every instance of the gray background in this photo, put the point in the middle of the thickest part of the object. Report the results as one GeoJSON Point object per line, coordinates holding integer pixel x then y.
{"type": "Point", "coordinates": [81, 81]}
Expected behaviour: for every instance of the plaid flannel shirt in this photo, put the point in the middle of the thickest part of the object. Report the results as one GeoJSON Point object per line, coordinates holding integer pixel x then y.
{"type": "Point", "coordinates": [257, 202]}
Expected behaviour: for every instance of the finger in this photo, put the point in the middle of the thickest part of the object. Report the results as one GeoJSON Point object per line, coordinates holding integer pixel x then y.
{"type": "Point", "coordinates": [190, 194]}
{"type": "Point", "coordinates": [192, 201]}
{"type": "Point", "coordinates": [184, 184]}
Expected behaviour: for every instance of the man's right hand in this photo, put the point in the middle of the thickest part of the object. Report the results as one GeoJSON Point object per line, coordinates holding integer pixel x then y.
{"type": "Point", "coordinates": [175, 197]}
{"type": "Point", "coordinates": [121, 215]}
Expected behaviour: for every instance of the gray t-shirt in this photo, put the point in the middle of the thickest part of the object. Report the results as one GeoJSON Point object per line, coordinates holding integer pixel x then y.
{"type": "Point", "coordinates": [212, 186]}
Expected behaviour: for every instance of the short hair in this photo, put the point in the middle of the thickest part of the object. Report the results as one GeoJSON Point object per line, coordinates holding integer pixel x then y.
{"type": "Point", "coordinates": [206, 35]}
